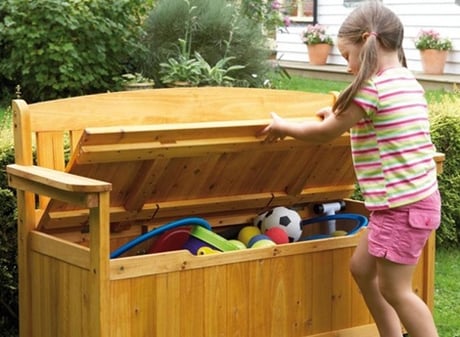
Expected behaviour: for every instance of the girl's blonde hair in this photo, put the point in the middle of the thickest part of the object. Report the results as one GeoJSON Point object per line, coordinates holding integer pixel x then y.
{"type": "Point", "coordinates": [366, 26]}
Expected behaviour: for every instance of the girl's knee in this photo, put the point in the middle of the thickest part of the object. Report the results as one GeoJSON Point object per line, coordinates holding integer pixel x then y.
{"type": "Point", "coordinates": [393, 294]}
{"type": "Point", "coordinates": [358, 269]}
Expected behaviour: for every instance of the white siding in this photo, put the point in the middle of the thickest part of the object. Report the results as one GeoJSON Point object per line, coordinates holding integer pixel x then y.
{"type": "Point", "coordinates": [441, 15]}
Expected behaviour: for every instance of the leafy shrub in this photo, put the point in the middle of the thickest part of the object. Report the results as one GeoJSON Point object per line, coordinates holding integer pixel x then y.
{"type": "Point", "coordinates": [445, 128]}
{"type": "Point", "coordinates": [55, 48]}
{"type": "Point", "coordinates": [445, 120]}
{"type": "Point", "coordinates": [8, 248]}
{"type": "Point", "coordinates": [213, 28]}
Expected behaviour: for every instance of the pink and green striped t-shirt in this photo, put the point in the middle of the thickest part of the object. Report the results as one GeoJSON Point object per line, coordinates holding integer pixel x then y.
{"type": "Point", "coordinates": [391, 147]}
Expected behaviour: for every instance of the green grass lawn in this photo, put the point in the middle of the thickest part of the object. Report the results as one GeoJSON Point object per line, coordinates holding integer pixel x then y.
{"type": "Point", "coordinates": [447, 295]}
{"type": "Point", "coordinates": [317, 85]}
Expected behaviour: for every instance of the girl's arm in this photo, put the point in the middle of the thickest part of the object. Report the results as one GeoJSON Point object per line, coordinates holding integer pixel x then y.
{"type": "Point", "coordinates": [331, 126]}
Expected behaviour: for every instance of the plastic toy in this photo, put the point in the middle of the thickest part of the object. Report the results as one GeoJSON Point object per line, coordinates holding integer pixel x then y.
{"type": "Point", "coordinates": [329, 209]}
{"type": "Point", "coordinates": [285, 218]}
{"type": "Point", "coordinates": [361, 221]}
{"type": "Point", "coordinates": [157, 231]}
{"type": "Point", "coordinates": [246, 233]}
{"type": "Point", "coordinates": [277, 234]}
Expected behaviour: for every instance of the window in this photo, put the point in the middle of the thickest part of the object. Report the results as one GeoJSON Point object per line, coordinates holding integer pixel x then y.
{"type": "Point", "coordinates": [354, 3]}
{"type": "Point", "coordinates": [300, 10]}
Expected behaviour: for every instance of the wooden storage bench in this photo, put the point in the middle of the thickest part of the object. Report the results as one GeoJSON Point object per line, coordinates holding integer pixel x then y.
{"type": "Point", "coordinates": [110, 167]}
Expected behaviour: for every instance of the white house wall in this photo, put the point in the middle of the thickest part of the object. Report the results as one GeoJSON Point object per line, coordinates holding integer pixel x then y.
{"type": "Point", "coordinates": [441, 15]}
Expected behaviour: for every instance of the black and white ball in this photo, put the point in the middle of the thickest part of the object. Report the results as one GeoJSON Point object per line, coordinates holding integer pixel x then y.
{"type": "Point", "coordinates": [287, 219]}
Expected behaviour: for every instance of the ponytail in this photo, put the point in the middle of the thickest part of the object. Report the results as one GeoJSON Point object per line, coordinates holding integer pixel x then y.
{"type": "Point", "coordinates": [369, 66]}
{"type": "Point", "coordinates": [368, 26]}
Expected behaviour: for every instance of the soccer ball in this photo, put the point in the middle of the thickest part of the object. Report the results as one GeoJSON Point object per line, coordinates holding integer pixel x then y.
{"type": "Point", "coordinates": [283, 217]}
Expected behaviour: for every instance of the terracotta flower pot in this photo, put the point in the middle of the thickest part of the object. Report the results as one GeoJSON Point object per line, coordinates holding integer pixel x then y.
{"type": "Point", "coordinates": [318, 53]}
{"type": "Point", "coordinates": [139, 86]}
{"type": "Point", "coordinates": [433, 61]}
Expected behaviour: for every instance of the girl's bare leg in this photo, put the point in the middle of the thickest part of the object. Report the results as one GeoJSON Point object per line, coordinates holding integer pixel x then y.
{"type": "Point", "coordinates": [395, 282]}
{"type": "Point", "coordinates": [364, 270]}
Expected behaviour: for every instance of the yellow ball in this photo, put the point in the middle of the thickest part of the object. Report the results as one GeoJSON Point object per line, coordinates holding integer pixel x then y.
{"type": "Point", "coordinates": [263, 243]}
{"type": "Point", "coordinates": [238, 244]}
{"type": "Point", "coordinates": [339, 233]}
{"type": "Point", "coordinates": [246, 233]}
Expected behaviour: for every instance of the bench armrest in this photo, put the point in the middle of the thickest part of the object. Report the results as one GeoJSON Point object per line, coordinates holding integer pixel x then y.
{"type": "Point", "coordinates": [57, 185]}
{"type": "Point", "coordinates": [56, 179]}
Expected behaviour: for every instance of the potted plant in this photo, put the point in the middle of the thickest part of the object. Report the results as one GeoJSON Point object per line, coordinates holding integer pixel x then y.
{"type": "Point", "coordinates": [136, 81]}
{"type": "Point", "coordinates": [191, 71]}
{"type": "Point", "coordinates": [318, 42]}
{"type": "Point", "coordinates": [433, 50]}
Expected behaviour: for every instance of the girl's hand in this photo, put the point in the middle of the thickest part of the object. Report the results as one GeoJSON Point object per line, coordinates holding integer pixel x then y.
{"type": "Point", "coordinates": [274, 131]}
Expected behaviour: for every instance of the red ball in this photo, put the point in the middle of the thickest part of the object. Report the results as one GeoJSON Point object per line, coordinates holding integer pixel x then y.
{"type": "Point", "coordinates": [277, 234]}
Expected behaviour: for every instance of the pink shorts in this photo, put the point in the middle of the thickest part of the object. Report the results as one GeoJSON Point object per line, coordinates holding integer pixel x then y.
{"type": "Point", "coordinates": [399, 234]}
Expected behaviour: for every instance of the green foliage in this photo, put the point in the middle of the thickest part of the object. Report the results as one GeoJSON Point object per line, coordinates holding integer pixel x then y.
{"type": "Point", "coordinates": [213, 28]}
{"type": "Point", "coordinates": [195, 71]}
{"type": "Point", "coordinates": [8, 267]}
{"type": "Point", "coordinates": [268, 14]}
{"type": "Point", "coordinates": [445, 129]}
{"type": "Point", "coordinates": [217, 75]}
{"type": "Point", "coordinates": [8, 248]}
{"type": "Point", "coordinates": [55, 48]}
{"type": "Point", "coordinates": [181, 68]}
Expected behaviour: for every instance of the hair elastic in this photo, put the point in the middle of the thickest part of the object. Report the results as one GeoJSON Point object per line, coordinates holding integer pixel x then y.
{"type": "Point", "coordinates": [373, 34]}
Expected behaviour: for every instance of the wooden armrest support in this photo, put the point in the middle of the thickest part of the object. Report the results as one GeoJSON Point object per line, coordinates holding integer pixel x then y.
{"type": "Point", "coordinates": [55, 179]}
{"type": "Point", "coordinates": [439, 158]}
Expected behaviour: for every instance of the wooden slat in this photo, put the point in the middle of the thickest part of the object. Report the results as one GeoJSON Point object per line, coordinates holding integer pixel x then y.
{"type": "Point", "coordinates": [74, 138]}
{"type": "Point", "coordinates": [259, 325]}
{"type": "Point", "coordinates": [213, 205]}
{"type": "Point", "coordinates": [237, 298]}
{"type": "Point", "coordinates": [50, 150]}
{"type": "Point", "coordinates": [50, 154]}
{"type": "Point", "coordinates": [313, 194]}
{"type": "Point", "coordinates": [163, 106]}
{"type": "Point", "coordinates": [215, 303]}
{"type": "Point", "coordinates": [322, 295]}
{"type": "Point", "coordinates": [192, 296]}
{"type": "Point", "coordinates": [172, 133]}
{"type": "Point", "coordinates": [99, 225]}
{"type": "Point", "coordinates": [147, 177]}
{"type": "Point", "coordinates": [182, 260]}
{"type": "Point", "coordinates": [72, 254]}
{"type": "Point", "coordinates": [342, 312]}
{"type": "Point", "coordinates": [301, 280]}
{"type": "Point", "coordinates": [427, 278]}
{"type": "Point", "coordinates": [66, 220]}
{"type": "Point", "coordinates": [183, 149]}
{"type": "Point", "coordinates": [368, 330]}
{"type": "Point", "coordinates": [122, 313]}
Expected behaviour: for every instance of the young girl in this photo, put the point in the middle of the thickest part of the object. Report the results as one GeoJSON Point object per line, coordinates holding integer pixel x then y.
{"type": "Point", "coordinates": [392, 153]}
